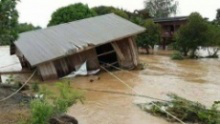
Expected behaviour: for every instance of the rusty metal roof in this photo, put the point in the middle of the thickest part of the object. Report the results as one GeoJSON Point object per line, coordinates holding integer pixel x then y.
{"type": "Point", "coordinates": [58, 41]}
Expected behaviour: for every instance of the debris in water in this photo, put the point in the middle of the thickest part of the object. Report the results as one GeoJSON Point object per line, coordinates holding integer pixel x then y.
{"type": "Point", "coordinates": [187, 111]}
{"type": "Point", "coordinates": [64, 119]}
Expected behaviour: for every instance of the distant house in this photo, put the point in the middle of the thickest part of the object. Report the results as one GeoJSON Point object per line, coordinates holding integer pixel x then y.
{"type": "Point", "coordinates": [169, 27]}
{"type": "Point", "coordinates": [58, 50]}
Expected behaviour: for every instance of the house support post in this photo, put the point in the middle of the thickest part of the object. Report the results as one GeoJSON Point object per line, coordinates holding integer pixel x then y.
{"type": "Point", "coordinates": [0, 79]}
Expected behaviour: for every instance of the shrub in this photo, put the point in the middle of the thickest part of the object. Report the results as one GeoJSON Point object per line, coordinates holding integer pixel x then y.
{"type": "Point", "coordinates": [177, 56]}
{"type": "Point", "coordinates": [67, 97]}
{"type": "Point", "coordinates": [49, 106]}
{"type": "Point", "coordinates": [41, 111]}
{"type": "Point", "coordinates": [35, 87]}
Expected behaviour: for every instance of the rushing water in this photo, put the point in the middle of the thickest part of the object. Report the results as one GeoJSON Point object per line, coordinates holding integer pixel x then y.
{"type": "Point", "coordinates": [196, 80]}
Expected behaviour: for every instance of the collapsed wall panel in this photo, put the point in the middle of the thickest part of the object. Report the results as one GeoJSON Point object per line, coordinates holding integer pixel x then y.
{"type": "Point", "coordinates": [47, 71]}
{"type": "Point", "coordinates": [90, 56]}
{"type": "Point", "coordinates": [126, 53]}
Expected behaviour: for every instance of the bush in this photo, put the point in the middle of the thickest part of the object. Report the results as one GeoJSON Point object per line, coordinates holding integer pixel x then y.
{"type": "Point", "coordinates": [35, 87]}
{"type": "Point", "coordinates": [67, 97]}
{"type": "Point", "coordinates": [177, 56]}
{"type": "Point", "coordinates": [49, 106]}
{"type": "Point", "coordinates": [41, 111]}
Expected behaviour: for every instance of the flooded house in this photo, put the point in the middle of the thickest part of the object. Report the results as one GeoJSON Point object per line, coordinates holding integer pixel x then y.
{"type": "Point", "coordinates": [169, 27]}
{"type": "Point", "coordinates": [59, 50]}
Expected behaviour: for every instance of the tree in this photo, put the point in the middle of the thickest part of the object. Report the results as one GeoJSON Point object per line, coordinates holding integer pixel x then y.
{"type": "Point", "coordinates": [213, 44]}
{"type": "Point", "coordinates": [150, 37]}
{"type": "Point", "coordinates": [71, 13]}
{"type": "Point", "coordinates": [143, 13]}
{"type": "Point", "coordinates": [192, 35]}
{"type": "Point", "coordinates": [8, 21]}
{"type": "Point", "coordinates": [24, 27]}
{"type": "Point", "coordinates": [161, 8]}
{"type": "Point", "coordinates": [216, 21]}
{"type": "Point", "coordinates": [218, 15]}
{"type": "Point", "coordinates": [101, 10]}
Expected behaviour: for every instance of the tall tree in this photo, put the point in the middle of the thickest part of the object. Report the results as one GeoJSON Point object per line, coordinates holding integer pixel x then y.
{"type": "Point", "coordinates": [71, 13]}
{"type": "Point", "coordinates": [217, 20]}
{"type": "Point", "coordinates": [218, 15]}
{"type": "Point", "coordinates": [101, 10]}
{"type": "Point", "coordinates": [8, 22]}
{"type": "Point", "coordinates": [161, 8]}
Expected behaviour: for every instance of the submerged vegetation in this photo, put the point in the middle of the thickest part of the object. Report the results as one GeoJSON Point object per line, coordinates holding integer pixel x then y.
{"type": "Point", "coordinates": [177, 56]}
{"type": "Point", "coordinates": [185, 110]}
{"type": "Point", "coordinates": [197, 33]}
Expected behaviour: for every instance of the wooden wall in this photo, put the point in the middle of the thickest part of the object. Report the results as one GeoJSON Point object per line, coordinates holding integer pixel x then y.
{"type": "Point", "coordinates": [47, 71]}
{"type": "Point", "coordinates": [127, 54]}
{"type": "Point", "coordinates": [126, 50]}
{"type": "Point", "coordinates": [90, 56]}
{"type": "Point", "coordinates": [64, 66]}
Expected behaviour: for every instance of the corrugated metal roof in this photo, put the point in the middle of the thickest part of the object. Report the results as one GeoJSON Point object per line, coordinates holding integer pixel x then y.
{"type": "Point", "coordinates": [57, 41]}
{"type": "Point", "coordinates": [169, 19]}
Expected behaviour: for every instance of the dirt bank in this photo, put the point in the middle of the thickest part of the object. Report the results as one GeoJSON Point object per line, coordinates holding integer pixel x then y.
{"type": "Point", "coordinates": [13, 109]}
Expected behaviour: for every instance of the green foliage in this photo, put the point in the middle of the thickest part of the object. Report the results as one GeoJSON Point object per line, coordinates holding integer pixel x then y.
{"type": "Point", "coordinates": [177, 56]}
{"type": "Point", "coordinates": [161, 8]}
{"type": "Point", "coordinates": [192, 35]}
{"type": "Point", "coordinates": [151, 36]}
{"type": "Point", "coordinates": [213, 44]}
{"type": "Point", "coordinates": [52, 105]}
{"type": "Point", "coordinates": [71, 13]}
{"type": "Point", "coordinates": [68, 96]}
{"type": "Point", "coordinates": [8, 22]}
{"type": "Point", "coordinates": [35, 87]}
{"type": "Point", "coordinates": [218, 17]}
{"type": "Point", "coordinates": [101, 10]}
{"type": "Point", "coordinates": [41, 111]}
{"type": "Point", "coordinates": [185, 110]}
{"type": "Point", "coordinates": [24, 27]}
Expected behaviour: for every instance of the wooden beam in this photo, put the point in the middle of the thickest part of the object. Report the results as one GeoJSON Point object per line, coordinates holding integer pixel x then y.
{"type": "Point", "coordinates": [133, 51]}
{"type": "Point", "coordinates": [0, 79]}
{"type": "Point", "coordinates": [118, 51]}
{"type": "Point", "coordinates": [106, 53]}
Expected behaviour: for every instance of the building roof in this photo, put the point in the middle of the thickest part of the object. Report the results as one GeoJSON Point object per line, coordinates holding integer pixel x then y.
{"type": "Point", "coordinates": [58, 41]}
{"type": "Point", "coordinates": [169, 19]}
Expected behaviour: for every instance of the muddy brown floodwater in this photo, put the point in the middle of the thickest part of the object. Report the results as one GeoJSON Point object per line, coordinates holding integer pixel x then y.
{"type": "Point", "coordinates": [196, 80]}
